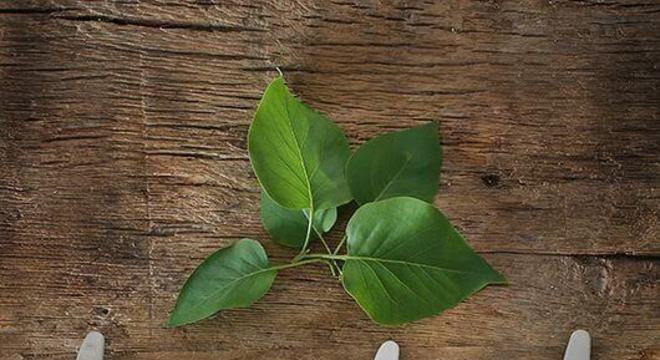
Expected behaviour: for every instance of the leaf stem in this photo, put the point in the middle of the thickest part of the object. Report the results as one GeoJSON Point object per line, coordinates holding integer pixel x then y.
{"type": "Point", "coordinates": [318, 233]}
{"type": "Point", "coordinates": [310, 225]}
{"type": "Point", "coordinates": [333, 264]}
{"type": "Point", "coordinates": [310, 219]}
{"type": "Point", "coordinates": [341, 243]}
{"type": "Point", "coordinates": [298, 263]}
{"type": "Point", "coordinates": [330, 258]}
{"type": "Point", "coordinates": [326, 257]}
{"type": "Point", "coordinates": [325, 244]}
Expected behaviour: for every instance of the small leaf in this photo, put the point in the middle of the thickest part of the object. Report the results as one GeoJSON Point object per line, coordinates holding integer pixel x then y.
{"type": "Point", "coordinates": [404, 163]}
{"type": "Point", "coordinates": [298, 155]}
{"type": "Point", "coordinates": [232, 277]}
{"type": "Point", "coordinates": [406, 262]}
{"type": "Point", "coordinates": [323, 220]}
{"type": "Point", "coordinates": [289, 227]}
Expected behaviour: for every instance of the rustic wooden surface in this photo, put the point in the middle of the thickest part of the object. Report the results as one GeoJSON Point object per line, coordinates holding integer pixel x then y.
{"type": "Point", "coordinates": [123, 163]}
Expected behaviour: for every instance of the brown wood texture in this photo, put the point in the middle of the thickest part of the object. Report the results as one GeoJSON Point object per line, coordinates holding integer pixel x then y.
{"type": "Point", "coordinates": [123, 163]}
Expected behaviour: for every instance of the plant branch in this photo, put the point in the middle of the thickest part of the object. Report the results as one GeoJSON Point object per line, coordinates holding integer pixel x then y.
{"type": "Point", "coordinates": [332, 264]}
{"type": "Point", "coordinates": [330, 258]}
{"type": "Point", "coordinates": [325, 244]}
{"type": "Point", "coordinates": [341, 243]}
{"type": "Point", "coordinates": [326, 257]}
{"type": "Point", "coordinates": [298, 263]}
{"type": "Point", "coordinates": [310, 219]}
{"type": "Point", "coordinates": [318, 233]}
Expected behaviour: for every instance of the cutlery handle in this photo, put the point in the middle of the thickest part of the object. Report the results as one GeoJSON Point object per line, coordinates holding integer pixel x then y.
{"type": "Point", "coordinates": [579, 346]}
{"type": "Point", "coordinates": [92, 347]}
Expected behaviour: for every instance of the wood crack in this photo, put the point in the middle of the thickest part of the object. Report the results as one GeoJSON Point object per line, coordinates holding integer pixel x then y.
{"type": "Point", "coordinates": [36, 10]}
{"type": "Point", "coordinates": [159, 24]}
{"type": "Point", "coordinates": [603, 255]}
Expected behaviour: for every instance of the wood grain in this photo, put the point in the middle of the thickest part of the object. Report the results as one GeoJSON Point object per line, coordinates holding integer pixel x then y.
{"type": "Point", "coordinates": [123, 163]}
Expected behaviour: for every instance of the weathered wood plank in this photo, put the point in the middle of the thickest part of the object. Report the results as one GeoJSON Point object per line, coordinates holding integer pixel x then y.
{"type": "Point", "coordinates": [73, 215]}
{"type": "Point", "coordinates": [123, 163]}
{"type": "Point", "coordinates": [539, 133]}
{"type": "Point", "coordinates": [307, 315]}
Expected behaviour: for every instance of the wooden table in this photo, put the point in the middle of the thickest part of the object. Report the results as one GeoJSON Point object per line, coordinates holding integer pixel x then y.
{"type": "Point", "coordinates": [123, 163]}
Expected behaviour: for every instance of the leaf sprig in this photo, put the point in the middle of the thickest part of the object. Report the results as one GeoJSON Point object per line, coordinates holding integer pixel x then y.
{"type": "Point", "coordinates": [403, 260]}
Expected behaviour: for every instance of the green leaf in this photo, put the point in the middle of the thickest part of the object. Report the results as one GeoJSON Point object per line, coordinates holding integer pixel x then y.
{"type": "Point", "coordinates": [232, 277]}
{"type": "Point", "coordinates": [289, 227]}
{"type": "Point", "coordinates": [406, 262]}
{"type": "Point", "coordinates": [298, 155]}
{"type": "Point", "coordinates": [404, 163]}
{"type": "Point", "coordinates": [324, 220]}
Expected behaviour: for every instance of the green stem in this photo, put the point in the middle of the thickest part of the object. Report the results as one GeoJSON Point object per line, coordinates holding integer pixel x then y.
{"type": "Point", "coordinates": [341, 243]}
{"type": "Point", "coordinates": [309, 233]}
{"type": "Point", "coordinates": [331, 258]}
{"type": "Point", "coordinates": [326, 257]}
{"type": "Point", "coordinates": [297, 263]}
{"type": "Point", "coordinates": [325, 244]}
{"type": "Point", "coordinates": [332, 264]}
{"type": "Point", "coordinates": [310, 218]}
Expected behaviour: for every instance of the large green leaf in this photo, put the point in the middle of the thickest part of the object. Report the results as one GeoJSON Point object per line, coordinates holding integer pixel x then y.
{"type": "Point", "coordinates": [298, 155]}
{"type": "Point", "coordinates": [232, 277]}
{"type": "Point", "coordinates": [404, 163]}
{"type": "Point", "coordinates": [289, 227]}
{"type": "Point", "coordinates": [406, 262]}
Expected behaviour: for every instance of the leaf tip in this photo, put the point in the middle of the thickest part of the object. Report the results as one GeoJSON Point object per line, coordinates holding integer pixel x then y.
{"type": "Point", "coordinates": [171, 322]}
{"type": "Point", "coordinates": [178, 319]}
{"type": "Point", "coordinates": [499, 279]}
